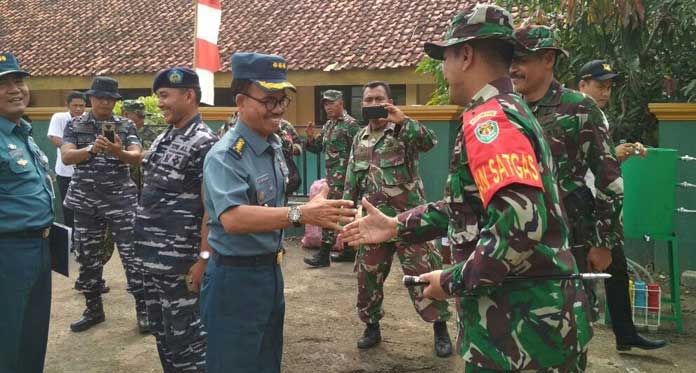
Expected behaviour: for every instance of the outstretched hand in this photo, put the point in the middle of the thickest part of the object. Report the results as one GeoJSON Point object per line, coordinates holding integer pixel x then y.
{"type": "Point", "coordinates": [327, 213]}
{"type": "Point", "coordinates": [373, 228]}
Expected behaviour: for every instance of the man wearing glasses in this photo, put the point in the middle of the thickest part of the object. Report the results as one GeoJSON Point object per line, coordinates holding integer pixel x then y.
{"type": "Point", "coordinates": [244, 179]}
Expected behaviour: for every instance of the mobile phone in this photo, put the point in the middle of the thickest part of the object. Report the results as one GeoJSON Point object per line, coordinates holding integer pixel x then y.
{"type": "Point", "coordinates": [374, 112]}
{"type": "Point", "coordinates": [108, 131]}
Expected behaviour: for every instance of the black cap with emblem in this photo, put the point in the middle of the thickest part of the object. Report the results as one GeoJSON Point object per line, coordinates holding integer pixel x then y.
{"type": "Point", "coordinates": [597, 70]}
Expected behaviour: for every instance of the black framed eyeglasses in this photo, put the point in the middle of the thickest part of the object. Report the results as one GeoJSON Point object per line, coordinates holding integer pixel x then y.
{"type": "Point", "coordinates": [271, 103]}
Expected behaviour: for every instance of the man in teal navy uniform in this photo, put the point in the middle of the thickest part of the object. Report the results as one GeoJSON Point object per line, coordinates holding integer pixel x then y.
{"type": "Point", "coordinates": [244, 177]}
{"type": "Point", "coordinates": [26, 213]}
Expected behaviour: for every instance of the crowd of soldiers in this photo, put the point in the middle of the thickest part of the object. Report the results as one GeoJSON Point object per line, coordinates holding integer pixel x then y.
{"type": "Point", "coordinates": [534, 190]}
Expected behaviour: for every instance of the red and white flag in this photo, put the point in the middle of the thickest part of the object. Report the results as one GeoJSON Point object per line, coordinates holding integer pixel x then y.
{"type": "Point", "coordinates": [207, 58]}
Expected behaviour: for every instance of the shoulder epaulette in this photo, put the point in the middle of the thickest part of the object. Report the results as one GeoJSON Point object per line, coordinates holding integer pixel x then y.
{"type": "Point", "coordinates": [238, 145]}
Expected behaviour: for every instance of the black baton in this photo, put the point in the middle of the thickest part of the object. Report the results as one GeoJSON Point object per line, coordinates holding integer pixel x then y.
{"type": "Point", "coordinates": [411, 281]}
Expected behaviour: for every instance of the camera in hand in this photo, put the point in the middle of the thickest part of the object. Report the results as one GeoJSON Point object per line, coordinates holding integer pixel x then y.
{"type": "Point", "coordinates": [374, 112]}
{"type": "Point", "coordinates": [109, 130]}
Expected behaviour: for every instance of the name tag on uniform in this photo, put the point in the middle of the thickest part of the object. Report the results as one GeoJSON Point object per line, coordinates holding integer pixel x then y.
{"type": "Point", "coordinates": [265, 189]}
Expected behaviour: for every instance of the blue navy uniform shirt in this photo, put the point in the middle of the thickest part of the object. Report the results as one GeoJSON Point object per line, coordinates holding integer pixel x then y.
{"type": "Point", "coordinates": [26, 191]}
{"type": "Point", "coordinates": [243, 168]}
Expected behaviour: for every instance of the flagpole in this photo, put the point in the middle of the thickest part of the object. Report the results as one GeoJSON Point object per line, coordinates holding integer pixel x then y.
{"type": "Point", "coordinates": [195, 32]}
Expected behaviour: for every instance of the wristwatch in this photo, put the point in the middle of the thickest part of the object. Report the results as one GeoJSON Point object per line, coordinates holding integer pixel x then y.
{"type": "Point", "coordinates": [204, 255]}
{"type": "Point", "coordinates": [89, 150]}
{"type": "Point", "coordinates": [294, 215]}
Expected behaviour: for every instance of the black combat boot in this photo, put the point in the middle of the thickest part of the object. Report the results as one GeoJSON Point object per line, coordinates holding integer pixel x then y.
{"type": "Point", "coordinates": [347, 255]}
{"type": "Point", "coordinates": [442, 342]}
{"type": "Point", "coordinates": [93, 315]}
{"type": "Point", "coordinates": [320, 259]}
{"type": "Point", "coordinates": [371, 336]}
{"type": "Point", "coordinates": [141, 314]}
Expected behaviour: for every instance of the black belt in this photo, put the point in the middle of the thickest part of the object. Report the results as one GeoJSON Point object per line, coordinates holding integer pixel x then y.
{"type": "Point", "coordinates": [246, 261]}
{"type": "Point", "coordinates": [28, 234]}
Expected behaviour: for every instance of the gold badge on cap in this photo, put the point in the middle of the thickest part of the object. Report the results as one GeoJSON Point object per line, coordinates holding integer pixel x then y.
{"type": "Point", "coordinates": [606, 67]}
{"type": "Point", "coordinates": [22, 162]}
{"type": "Point", "coordinates": [175, 76]}
{"type": "Point", "coordinates": [12, 147]}
{"type": "Point", "coordinates": [3, 58]}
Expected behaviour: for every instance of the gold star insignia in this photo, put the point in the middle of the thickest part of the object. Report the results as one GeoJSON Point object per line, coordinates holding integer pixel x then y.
{"type": "Point", "coordinates": [606, 67]}
{"type": "Point", "coordinates": [22, 162]}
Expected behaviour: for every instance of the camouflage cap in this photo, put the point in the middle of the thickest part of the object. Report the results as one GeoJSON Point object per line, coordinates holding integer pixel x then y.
{"type": "Point", "coordinates": [534, 38]}
{"type": "Point", "coordinates": [134, 106]}
{"type": "Point", "coordinates": [331, 95]}
{"type": "Point", "coordinates": [482, 21]}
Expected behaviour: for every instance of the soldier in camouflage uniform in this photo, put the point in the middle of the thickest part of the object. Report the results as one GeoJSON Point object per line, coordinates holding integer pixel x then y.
{"type": "Point", "coordinates": [169, 219]}
{"type": "Point", "coordinates": [335, 141]}
{"type": "Point", "coordinates": [135, 111]}
{"type": "Point", "coordinates": [291, 143]}
{"type": "Point", "coordinates": [101, 192]}
{"type": "Point", "coordinates": [577, 133]}
{"type": "Point", "coordinates": [383, 168]}
{"type": "Point", "coordinates": [502, 204]}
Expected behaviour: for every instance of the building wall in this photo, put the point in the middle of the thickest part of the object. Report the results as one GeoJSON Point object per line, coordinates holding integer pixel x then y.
{"type": "Point", "coordinates": [51, 91]}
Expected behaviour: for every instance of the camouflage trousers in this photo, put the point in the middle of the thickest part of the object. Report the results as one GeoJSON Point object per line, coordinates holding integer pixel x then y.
{"type": "Point", "coordinates": [174, 318]}
{"type": "Point", "coordinates": [89, 237]}
{"type": "Point", "coordinates": [576, 365]}
{"type": "Point", "coordinates": [328, 236]}
{"type": "Point", "coordinates": [373, 263]}
{"type": "Point", "coordinates": [531, 326]}
{"type": "Point", "coordinates": [580, 228]}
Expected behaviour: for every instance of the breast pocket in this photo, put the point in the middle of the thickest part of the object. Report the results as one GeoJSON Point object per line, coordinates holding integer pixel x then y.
{"type": "Point", "coordinates": [394, 167]}
{"type": "Point", "coordinates": [84, 138]}
{"type": "Point", "coordinates": [265, 190]}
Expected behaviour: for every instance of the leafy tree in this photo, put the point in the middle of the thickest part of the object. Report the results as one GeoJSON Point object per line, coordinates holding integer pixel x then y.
{"type": "Point", "coordinates": [651, 42]}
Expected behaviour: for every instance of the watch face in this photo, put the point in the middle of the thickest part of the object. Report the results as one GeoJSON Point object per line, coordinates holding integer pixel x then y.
{"type": "Point", "coordinates": [294, 214]}
{"type": "Point", "coordinates": [205, 255]}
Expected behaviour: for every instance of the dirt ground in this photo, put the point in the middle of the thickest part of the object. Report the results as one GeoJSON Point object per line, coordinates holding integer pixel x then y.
{"type": "Point", "coordinates": [321, 330]}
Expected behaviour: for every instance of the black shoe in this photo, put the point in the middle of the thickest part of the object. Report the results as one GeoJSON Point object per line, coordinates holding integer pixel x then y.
{"type": "Point", "coordinates": [371, 337]}
{"type": "Point", "coordinates": [638, 341]}
{"type": "Point", "coordinates": [347, 255]}
{"type": "Point", "coordinates": [442, 342]}
{"type": "Point", "coordinates": [93, 315]}
{"type": "Point", "coordinates": [104, 289]}
{"type": "Point", "coordinates": [320, 259]}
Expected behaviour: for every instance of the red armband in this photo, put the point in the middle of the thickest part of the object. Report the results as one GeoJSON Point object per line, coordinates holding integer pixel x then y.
{"type": "Point", "coordinates": [499, 154]}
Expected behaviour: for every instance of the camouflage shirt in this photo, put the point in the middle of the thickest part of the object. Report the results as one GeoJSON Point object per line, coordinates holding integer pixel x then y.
{"type": "Point", "coordinates": [168, 221]}
{"type": "Point", "coordinates": [383, 166]}
{"type": "Point", "coordinates": [288, 137]}
{"type": "Point", "coordinates": [578, 137]}
{"type": "Point", "coordinates": [503, 159]}
{"type": "Point", "coordinates": [335, 141]}
{"type": "Point", "coordinates": [147, 134]}
{"type": "Point", "coordinates": [103, 173]}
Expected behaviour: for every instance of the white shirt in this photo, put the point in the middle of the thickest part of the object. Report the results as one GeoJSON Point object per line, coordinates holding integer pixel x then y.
{"type": "Point", "coordinates": [56, 128]}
